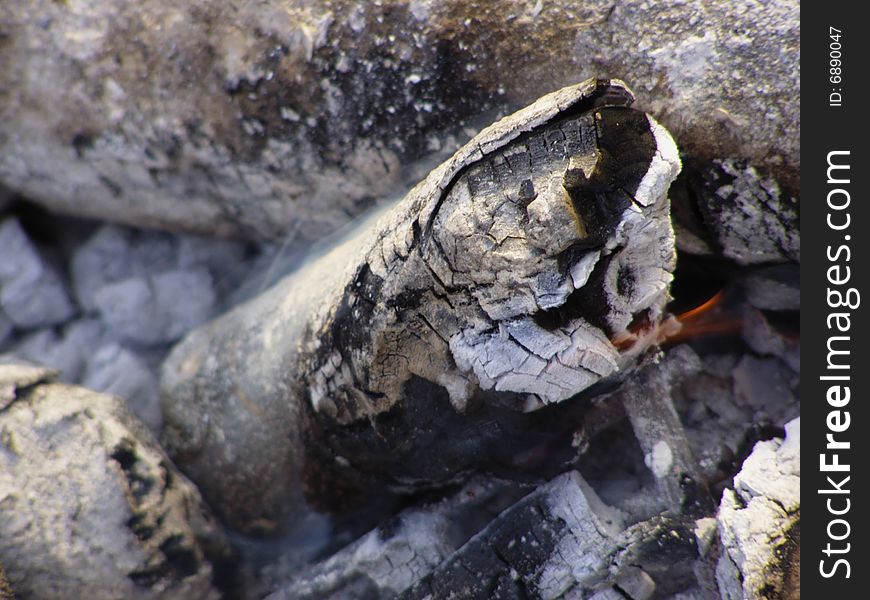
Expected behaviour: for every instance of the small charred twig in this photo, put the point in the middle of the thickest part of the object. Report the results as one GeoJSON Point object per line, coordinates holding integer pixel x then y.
{"type": "Point", "coordinates": [406, 355]}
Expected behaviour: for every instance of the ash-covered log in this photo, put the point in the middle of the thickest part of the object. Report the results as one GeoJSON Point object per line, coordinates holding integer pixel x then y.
{"type": "Point", "coordinates": [282, 117]}
{"type": "Point", "coordinates": [91, 506]}
{"type": "Point", "coordinates": [532, 265]}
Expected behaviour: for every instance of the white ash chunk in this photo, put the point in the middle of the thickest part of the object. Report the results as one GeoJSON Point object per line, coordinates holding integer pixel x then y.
{"type": "Point", "coordinates": [582, 269]}
{"type": "Point", "coordinates": [16, 374]}
{"type": "Point", "coordinates": [550, 365]}
{"type": "Point", "coordinates": [116, 370]}
{"type": "Point", "coordinates": [605, 594]}
{"type": "Point", "coordinates": [592, 529]}
{"type": "Point", "coordinates": [636, 583]}
{"type": "Point", "coordinates": [755, 519]}
{"type": "Point", "coordinates": [32, 293]}
{"type": "Point", "coordinates": [663, 169]}
{"type": "Point", "coordinates": [553, 224]}
{"type": "Point", "coordinates": [67, 351]}
{"type": "Point", "coordinates": [766, 386]}
{"type": "Point", "coordinates": [660, 459]}
{"type": "Point", "coordinates": [106, 257]}
{"type": "Point", "coordinates": [157, 309]}
{"type": "Point", "coordinates": [773, 470]}
{"type": "Point", "coordinates": [774, 288]}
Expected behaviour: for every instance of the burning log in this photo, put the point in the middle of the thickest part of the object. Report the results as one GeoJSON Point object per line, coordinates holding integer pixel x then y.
{"type": "Point", "coordinates": [410, 353]}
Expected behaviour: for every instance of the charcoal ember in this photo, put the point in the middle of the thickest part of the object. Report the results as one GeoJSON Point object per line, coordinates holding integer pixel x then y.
{"type": "Point", "coordinates": [32, 292]}
{"type": "Point", "coordinates": [647, 398]}
{"type": "Point", "coordinates": [558, 538]}
{"type": "Point", "coordinates": [303, 112]}
{"type": "Point", "coordinates": [402, 551]}
{"type": "Point", "coordinates": [561, 541]}
{"type": "Point", "coordinates": [636, 583]}
{"type": "Point", "coordinates": [656, 557]}
{"type": "Point", "coordinates": [90, 507]}
{"type": "Point", "coordinates": [382, 561]}
{"type": "Point", "coordinates": [750, 219]}
{"type": "Point", "coordinates": [759, 521]}
{"type": "Point", "coordinates": [403, 357]}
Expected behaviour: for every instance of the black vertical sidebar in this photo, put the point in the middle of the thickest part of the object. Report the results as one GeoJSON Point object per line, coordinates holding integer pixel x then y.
{"type": "Point", "coordinates": [835, 300]}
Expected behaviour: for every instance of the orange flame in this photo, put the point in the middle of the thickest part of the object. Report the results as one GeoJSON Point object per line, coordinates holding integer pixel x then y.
{"type": "Point", "coordinates": [705, 320]}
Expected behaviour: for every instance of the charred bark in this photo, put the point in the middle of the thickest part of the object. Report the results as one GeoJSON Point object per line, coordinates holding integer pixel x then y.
{"type": "Point", "coordinates": [530, 267]}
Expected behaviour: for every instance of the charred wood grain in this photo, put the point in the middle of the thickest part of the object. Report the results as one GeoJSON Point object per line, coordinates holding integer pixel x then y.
{"type": "Point", "coordinates": [412, 352]}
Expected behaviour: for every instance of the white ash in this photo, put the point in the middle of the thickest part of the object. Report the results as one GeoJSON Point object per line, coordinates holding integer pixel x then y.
{"type": "Point", "coordinates": [636, 583]}
{"type": "Point", "coordinates": [766, 386]}
{"type": "Point", "coordinates": [158, 308]}
{"type": "Point", "coordinates": [720, 404]}
{"type": "Point", "coordinates": [393, 562]}
{"type": "Point", "coordinates": [116, 370]}
{"type": "Point", "coordinates": [135, 292]}
{"type": "Point", "coordinates": [774, 288]}
{"type": "Point", "coordinates": [773, 470]}
{"type": "Point", "coordinates": [67, 348]}
{"type": "Point", "coordinates": [606, 594]}
{"type": "Point", "coordinates": [32, 293]}
{"type": "Point", "coordinates": [706, 534]}
{"type": "Point", "coordinates": [660, 459]}
{"type": "Point", "coordinates": [766, 340]}
{"type": "Point", "coordinates": [590, 536]}
{"type": "Point", "coordinates": [395, 555]}
{"type": "Point", "coordinates": [755, 517]}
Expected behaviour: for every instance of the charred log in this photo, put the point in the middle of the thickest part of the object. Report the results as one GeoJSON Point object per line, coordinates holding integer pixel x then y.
{"type": "Point", "coordinates": [401, 358]}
